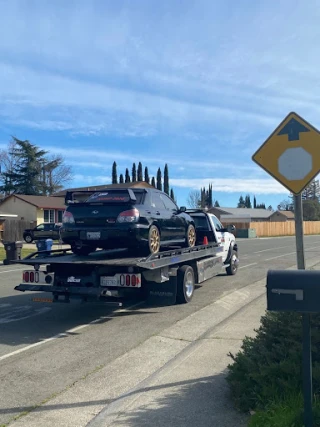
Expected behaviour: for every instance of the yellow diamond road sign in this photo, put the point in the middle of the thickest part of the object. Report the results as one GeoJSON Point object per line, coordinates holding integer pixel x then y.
{"type": "Point", "coordinates": [291, 154]}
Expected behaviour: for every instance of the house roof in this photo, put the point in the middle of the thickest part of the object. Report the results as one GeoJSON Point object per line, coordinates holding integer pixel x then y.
{"type": "Point", "coordinates": [44, 202]}
{"type": "Point", "coordinates": [287, 214]}
{"type": "Point", "coordinates": [253, 213]}
{"type": "Point", "coordinates": [138, 184]}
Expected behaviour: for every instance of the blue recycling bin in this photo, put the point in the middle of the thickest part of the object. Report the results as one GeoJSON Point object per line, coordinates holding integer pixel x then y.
{"type": "Point", "coordinates": [49, 243]}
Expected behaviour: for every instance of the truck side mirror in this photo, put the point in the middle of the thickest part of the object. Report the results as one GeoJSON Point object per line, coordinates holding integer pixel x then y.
{"type": "Point", "coordinates": [231, 228]}
{"type": "Point", "coordinates": [182, 209]}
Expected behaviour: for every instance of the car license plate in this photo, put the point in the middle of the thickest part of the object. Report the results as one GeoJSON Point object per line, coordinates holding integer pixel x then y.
{"type": "Point", "coordinates": [109, 281]}
{"type": "Point", "coordinates": [93, 235]}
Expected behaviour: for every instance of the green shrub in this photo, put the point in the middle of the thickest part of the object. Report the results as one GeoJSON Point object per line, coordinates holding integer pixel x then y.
{"type": "Point", "coordinates": [286, 413]}
{"type": "Point", "coordinates": [269, 366]}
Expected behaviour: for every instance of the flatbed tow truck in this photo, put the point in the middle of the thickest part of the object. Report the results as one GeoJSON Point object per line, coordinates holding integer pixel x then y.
{"type": "Point", "coordinates": [165, 278]}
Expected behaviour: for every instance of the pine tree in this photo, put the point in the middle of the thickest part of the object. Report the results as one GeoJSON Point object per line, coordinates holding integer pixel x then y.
{"type": "Point", "coordinates": [216, 204]}
{"type": "Point", "coordinates": [312, 191]}
{"type": "Point", "coordinates": [127, 176]}
{"type": "Point", "coordinates": [254, 202]}
{"type": "Point", "coordinates": [153, 182]}
{"type": "Point", "coordinates": [159, 180]}
{"type": "Point", "coordinates": [172, 194]}
{"type": "Point", "coordinates": [114, 173]}
{"type": "Point", "coordinates": [241, 203]}
{"type": "Point", "coordinates": [140, 175]}
{"type": "Point", "coordinates": [210, 196]}
{"type": "Point", "coordinates": [121, 180]}
{"type": "Point", "coordinates": [28, 175]}
{"type": "Point", "coordinates": [146, 175]}
{"type": "Point", "coordinates": [247, 202]}
{"type": "Point", "coordinates": [134, 173]}
{"type": "Point", "coordinates": [166, 180]}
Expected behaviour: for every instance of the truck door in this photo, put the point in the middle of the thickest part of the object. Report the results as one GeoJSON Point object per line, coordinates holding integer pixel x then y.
{"type": "Point", "coordinates": [221, 235]}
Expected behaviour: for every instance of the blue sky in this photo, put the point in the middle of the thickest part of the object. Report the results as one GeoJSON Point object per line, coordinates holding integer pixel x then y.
{"type": "Point", "coordinates": [196, 84]}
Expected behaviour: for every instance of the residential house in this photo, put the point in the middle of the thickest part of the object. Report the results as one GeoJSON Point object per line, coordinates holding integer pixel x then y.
{"type": "Point", "coordinates": [34, 209]}
{"type": "Point", "coordinates": [251, 215]}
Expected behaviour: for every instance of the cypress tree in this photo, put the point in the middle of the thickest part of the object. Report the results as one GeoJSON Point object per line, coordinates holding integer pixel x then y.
{"type": "Point", "coordinates": [166, 180]}
{"type": "Point", "coordinates": [134, 173]}
{"type": "Point", "coordinates": [153, 182]}
{"type": "Point", "coordinates": [146, 175]}
{"type": "Point", "coordinates": [127, 177]}
{"type": "Point", "coordinates": [121, 180]}
{"type": "Point", "coordinates": [159, 180]}
{"type": "Point", "coordinates": [114, 173]}
{"type": "Point", "coordinates": [172, 194]}
{"type": "Point", "coordinates": [140, 176]}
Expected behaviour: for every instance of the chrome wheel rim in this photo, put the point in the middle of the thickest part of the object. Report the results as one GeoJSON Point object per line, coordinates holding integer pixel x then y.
{"type": "Point", "coordinates": [28, 239]}
{"type": "Point", "coordinates": [189, 284]}
{"type": "Point", "coordinates": [191, 236]}
{"type": "Point", "coordinates": [154, 240]}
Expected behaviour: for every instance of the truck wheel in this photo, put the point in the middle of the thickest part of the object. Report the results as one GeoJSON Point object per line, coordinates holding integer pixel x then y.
{"type": "Point", "coordinates": [233, 264]}
{"type": "Point", "coordinates": [28, 238]}
{"type": "Point", "coordinates": [191, 236]}
{"type": "Point", "coordinates": [185, 284]}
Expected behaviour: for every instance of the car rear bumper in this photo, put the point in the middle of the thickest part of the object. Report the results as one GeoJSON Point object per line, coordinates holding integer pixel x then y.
{"type": "Point", "coordinates": [121, 237]}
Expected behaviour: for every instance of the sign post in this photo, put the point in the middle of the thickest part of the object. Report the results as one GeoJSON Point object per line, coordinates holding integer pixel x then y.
{"type": "Point", "coordinates": [291, 155]}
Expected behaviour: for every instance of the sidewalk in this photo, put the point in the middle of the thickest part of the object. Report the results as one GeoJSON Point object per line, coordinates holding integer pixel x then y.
{"type": "Point", "coordinates": [175, 378]}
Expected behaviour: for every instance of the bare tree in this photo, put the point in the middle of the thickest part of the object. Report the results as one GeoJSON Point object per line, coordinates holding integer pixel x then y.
{"type": "Point", "coordinates": [57, 174]}
{"type": "Point", "coordinates": [194, 199]}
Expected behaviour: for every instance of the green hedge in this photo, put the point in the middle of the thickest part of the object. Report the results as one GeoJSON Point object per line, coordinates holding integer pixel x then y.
{"type": "Point", "coordinates": [269, 366]}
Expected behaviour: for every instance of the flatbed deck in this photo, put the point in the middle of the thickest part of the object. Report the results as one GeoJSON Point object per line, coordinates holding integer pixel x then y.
{"type": "Point", "coordinates": [118, 258]}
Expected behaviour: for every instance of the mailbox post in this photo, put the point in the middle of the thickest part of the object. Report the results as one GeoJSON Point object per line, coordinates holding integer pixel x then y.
{"type": "Point", "coordinates": [297, 290]}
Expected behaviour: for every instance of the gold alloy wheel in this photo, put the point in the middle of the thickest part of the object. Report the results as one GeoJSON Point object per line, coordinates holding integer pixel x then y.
{"type": "Point", "coordinates": [154, 240]}
{"type": "Point", "coordinates": [191, 236]}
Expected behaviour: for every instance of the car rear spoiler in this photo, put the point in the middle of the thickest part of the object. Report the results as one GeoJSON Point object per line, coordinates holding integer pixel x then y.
{"type": "Point", "coordinates": [69, 197]}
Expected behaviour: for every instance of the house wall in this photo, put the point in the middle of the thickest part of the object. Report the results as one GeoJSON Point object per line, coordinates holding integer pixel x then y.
{"type": "Point", "coordinates": [278, 217]}
{"type": "Point", "coordinates": [21, 208]}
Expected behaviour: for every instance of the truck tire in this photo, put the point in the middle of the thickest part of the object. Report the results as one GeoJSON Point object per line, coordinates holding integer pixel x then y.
{"type": "Point", "coordinates": [185, 284]}
{"type": "Point", "coordinates": [233, 264]}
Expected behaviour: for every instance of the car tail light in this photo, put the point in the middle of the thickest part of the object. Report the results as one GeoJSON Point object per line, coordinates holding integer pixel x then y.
{"type": "Point", "coordinates": [67, 218]}
{"type": "Point", "coordinates": [131, 215]}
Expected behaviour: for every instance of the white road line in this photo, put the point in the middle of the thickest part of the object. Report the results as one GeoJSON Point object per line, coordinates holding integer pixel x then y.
{"type": "Point", "coordinates": [272, 249]}
{"type": "Point", "coordinates": [9, 271]}
{"type": "Point", "coordinates": [65, 334]}
{"type": "Point", "coordinates": [291, 253]}
{"type": "Point", "coordinates": [248, 265]}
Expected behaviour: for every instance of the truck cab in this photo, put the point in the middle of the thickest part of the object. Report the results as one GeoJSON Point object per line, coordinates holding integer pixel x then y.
{"type": "Point", "coordinates": [208, 225]}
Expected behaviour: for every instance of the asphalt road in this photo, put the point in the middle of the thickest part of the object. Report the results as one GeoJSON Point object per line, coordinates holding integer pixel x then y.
{"type": "Point", "coordinates": [46, 348]}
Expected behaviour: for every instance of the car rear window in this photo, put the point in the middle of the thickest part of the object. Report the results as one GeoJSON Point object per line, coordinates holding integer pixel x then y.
{"type": "Point", "coordinates": [113, 197]}
{"type": "Point", "coordinates": [200, 222]}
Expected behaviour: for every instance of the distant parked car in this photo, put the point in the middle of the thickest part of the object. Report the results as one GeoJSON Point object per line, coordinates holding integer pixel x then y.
{"type": "Point", "coordinates": [42, 231]}
{"type": "Point", "coordinates": [139, 219]}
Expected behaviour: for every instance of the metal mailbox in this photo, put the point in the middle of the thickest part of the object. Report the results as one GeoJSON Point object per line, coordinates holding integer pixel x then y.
{"type": "Point", "coordinates": [293, 290]}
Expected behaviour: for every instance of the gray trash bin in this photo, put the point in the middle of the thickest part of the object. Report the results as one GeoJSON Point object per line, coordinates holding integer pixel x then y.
{"type": "Point", "coordinates": [41, 245]}
{"type": "Point", "coordinates": [13, 251]}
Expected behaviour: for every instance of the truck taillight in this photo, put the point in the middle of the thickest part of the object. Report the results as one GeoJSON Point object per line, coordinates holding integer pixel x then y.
{"type": "Point", "coordinates": [131, 215]}
{"type": "Point", "coordinates": [67, 218]}
{"type": "Point", "coordinates": [31, 276]}
{"type": "Point", "coordinates": [26, 276]}
{"type": "Point", "coordinates": [128, 280]}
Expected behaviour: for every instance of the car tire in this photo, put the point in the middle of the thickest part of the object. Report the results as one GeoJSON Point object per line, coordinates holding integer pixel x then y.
{"type": "Point", "coordinates": [185, 284]}
{"type": "Point", "coordinates": [28, 238]}
{"type": "Point", "coordinates": [191, 236]}
{"type": "Point", "coordinates": [154, 242]}
{"type": "Point", "coordinates": [233, 264]}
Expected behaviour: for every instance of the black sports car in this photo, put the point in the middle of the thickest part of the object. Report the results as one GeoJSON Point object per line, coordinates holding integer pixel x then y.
{"type": "Point", "coordinates": [140, 219]}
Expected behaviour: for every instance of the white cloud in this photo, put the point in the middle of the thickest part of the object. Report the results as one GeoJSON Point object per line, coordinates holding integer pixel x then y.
{"type": "Point", "coordinates": [252, 186]}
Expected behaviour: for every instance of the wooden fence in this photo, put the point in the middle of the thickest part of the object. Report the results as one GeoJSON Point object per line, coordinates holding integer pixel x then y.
{"type": "Point", "coordinates": [270, 229]}
{"type": "Point", "coordinates": [13, 229]}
